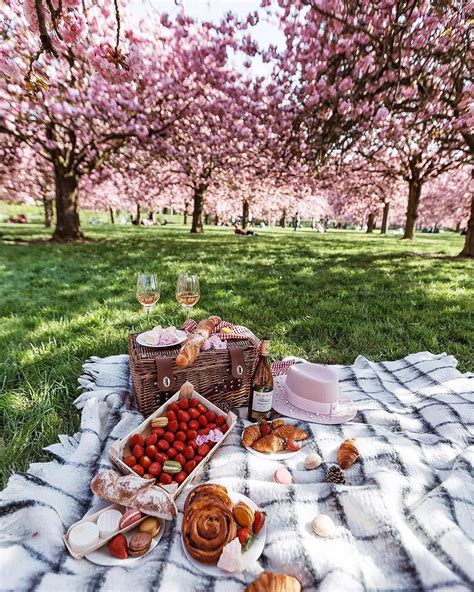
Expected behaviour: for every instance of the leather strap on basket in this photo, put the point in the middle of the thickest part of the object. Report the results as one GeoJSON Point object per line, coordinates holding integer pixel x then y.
{"type": "Point", "coordinates": [237, 362]}
{"type": "Point", "coordinates": [166, 380]}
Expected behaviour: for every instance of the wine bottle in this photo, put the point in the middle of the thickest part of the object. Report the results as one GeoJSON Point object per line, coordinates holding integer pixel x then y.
{"type": "Point", "coordinates": [261, 394]}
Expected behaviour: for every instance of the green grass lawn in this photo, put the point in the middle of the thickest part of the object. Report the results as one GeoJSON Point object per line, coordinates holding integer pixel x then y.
{"type": "Point", "coordinates": [326, 297]}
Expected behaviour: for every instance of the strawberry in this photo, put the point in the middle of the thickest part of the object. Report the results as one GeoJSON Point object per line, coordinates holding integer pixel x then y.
{"type": "Point", "coordinates": [118, 547]}
{"type": "Point", "coordinates": [244, 535]}
{"type": "Point", "coordinates": [292, 446]}
{"type": "Point", "coordinates": [258, 522]}
{"type": "Point", "coordinates": [265, 429]}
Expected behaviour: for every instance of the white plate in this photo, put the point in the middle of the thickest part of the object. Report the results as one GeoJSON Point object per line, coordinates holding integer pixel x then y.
{"type": "Point", "coordinates": [285, 454]}
{"type": "Point", "coordinates": [181, 337]}
{"type": "Point", "coordinates": [248, 558]}
{"type": "Point", "coordinates": [102, 555]}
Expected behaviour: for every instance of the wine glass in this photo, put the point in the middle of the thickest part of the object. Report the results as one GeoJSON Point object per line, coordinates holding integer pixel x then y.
{"type": "Point", "coordinates": [148, 291]}
{"type": "Point", "coordinates": [187, 291]}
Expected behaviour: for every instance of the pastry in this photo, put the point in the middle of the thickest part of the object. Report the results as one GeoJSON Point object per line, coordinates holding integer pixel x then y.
{"type": "Point", "coordinates": [109, 523]}
{"type": "Point", "coordinates": [231, 557]}
{"type": "Point", "coordinates": [271, 582]}
{"type": "Point", "coordinates": [312, 461]}
{"type": "Point", "coordinates": [276, 423]}
{"type": "Point", "coordinates": [323, 526]}
{"type": "Point", "coordinates": [243, 514]}
{"type": "Point", "coordinates": [83, 536]}
{"type": "Point", "coordinates": [134, 492]}
{"type": "Point", "coordinates": [270, 443]}
{"type": "Point", "coordinates": [219, 492]}
{"type": "Point", "coordinates": [250, 435]}
{"type": "Point", "coordinates": [151, 526]}
{"type": "Point", "coordinates": [335, 475]}
{"type": "Point", "coordinates": [282, 476]}
{"type": "Point", "coordinates": [139, 544]}
{"type": "Point", "coordinates": [159, 422]}
{"type": "Point", "coordinates": [193, 343]}
{"type": "Point", "coordinates": [129, 518]}
{"type": "Point", "coordinates": [208, 525]}
{"type": "Point", "coordinates": [118, 547]}
{"type": "Point", "coordinates": [347, 454]}
{"type": "Point", "coordinates": [292, 432]}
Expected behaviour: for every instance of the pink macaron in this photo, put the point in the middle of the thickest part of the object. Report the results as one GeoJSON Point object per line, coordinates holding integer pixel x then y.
{"type": "Point", "coordinates": [282, 476]}
{"type": "Point", "coordinates": [130, 517]}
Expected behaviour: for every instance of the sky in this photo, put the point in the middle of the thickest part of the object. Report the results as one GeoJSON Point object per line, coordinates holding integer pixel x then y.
{"type": "Point", "coordinates": [265, 33]}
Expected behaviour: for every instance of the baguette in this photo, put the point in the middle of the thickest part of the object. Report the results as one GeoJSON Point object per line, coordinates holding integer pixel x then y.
{"type": "Point", "coordinates": [192, 345]}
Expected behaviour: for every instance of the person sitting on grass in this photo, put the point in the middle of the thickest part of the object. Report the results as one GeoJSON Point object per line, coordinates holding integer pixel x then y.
{"type": "Point", "coordinates": [241, 232]}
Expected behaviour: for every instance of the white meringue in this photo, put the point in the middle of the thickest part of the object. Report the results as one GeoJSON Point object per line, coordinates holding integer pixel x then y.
{"type": "Point", "coordinates": [231, 557]}
{"type": "Point", "coordinates": [312, 461]}
{"type": "Point", "coordinates": [323, 526]}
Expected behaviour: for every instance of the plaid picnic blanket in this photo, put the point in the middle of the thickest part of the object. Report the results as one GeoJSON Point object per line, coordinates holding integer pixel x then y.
{"type": "Point", "coordinates": [404, 519]}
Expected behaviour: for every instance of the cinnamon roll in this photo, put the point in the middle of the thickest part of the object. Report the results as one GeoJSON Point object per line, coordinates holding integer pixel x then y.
{"type": "Point", "coordinates": [207, 490]}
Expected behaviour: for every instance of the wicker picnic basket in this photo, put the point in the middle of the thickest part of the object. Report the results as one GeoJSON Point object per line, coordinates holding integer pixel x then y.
{"type": "Point", "coordinates": [221, 376]}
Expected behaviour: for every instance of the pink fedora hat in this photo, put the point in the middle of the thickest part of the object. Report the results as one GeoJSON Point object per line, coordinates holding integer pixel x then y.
{"type": "Point", "coordinates": [311, 392]}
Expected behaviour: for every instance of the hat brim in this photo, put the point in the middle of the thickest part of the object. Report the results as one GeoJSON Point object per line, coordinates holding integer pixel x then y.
{"type": "Point", "coordinates": [344, 412]}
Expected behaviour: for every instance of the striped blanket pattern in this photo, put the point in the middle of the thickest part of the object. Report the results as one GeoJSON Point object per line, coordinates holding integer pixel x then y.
{"type": "Point", "coordinates": [404, 519]}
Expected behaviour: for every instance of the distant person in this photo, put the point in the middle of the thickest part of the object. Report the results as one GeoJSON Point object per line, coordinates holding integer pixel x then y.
{"type": "Point", "coordinates": [241, 232]}
{"type": "Point", "coordinates": [296, 221]}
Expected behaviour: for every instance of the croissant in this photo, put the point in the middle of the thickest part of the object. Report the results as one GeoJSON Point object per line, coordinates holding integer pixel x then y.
{"type": "Point", "coordinates": [276, 423]}
{"type": "Point", "coordinates": [271, 582]}
{"type": "Point", "coordinates": [270, 443]}
{"type": "Point", "coordinates": [290, 432]}
{"type": "Point", "coordinates": [250, 435]}
{"type": "Point", "coordinates": [347, 454]}
{"type": "Point", "coordinates": [193, 343]}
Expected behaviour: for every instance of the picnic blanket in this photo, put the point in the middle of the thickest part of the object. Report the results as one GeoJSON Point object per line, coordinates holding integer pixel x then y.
{"type": "Point", "coordinates": [405, 517]}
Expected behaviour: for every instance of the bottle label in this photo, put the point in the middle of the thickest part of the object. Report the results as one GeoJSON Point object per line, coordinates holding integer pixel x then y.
{"type": "Point", "coordinates": [262, 401]}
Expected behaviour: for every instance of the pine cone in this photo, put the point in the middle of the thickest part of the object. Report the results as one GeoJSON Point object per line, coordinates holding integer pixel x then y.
{"type": "Point", "coordinates": [335, 475]}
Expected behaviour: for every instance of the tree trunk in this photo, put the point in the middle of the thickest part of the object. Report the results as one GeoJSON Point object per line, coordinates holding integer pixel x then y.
{"type": "Point", "coordinates": [245, 214]}
{"type": "Point", "coordinates": [370, 223]}
{"type": "Point", "coordinates": [48, 212]}
{"type": "Point", "coordinates": [468, 250]}
{"type": "Point", "coordinates": [151, 216]}
{"type": "Point", "coordinates": [458, 226]}
{"type": "Point", "coordinates": [138, 217]}
{"type": "Point", "coordinates": [283, 219]}
{"type": "Point", "coordinates": [414, 194]}
{"type": "Point", "coordinates": [198, 204]}
{"type": "Point", "coordinates": [67, 216]}
{"type": "Point", "coordinates": [384, 228]}
{"type": "Point", "coordinates": [112, 215]}
{"type": "Point", "coordinates": [186, 213]}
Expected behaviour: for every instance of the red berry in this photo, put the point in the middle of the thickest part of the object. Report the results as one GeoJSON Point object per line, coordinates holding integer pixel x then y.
{"type": "Point", "coordinates": [161, 457]}
{"type": "Point", "coordinates": [173, 407]}
{"type": "Point", "coordinates": [173, 426]}
{"type": "Point", "coordinates": [200, 407]}
{"type": "Point", "coordinates": [183, 403]}
{"type": "Point", "coordinates": [197, 459]}
{"type": "Point", "coordinates": [145, 461]}
{"type": "Point", "coordinates": [189, 452]}
{"type": "Point", "coordinates": [180, 458]}
{"type": "Point", "coordinates": [223, 428]}
{"type": "Point", "coordinates": [180, 477]}
{"type": "Point", "coordinates": [152, 439]}
{"type": "Point", "coordinates": [183, 416]}
{"type": "Point", "coordinates": [165, 478]}
{"type": "Point", "coordinates": [137, 439]}
{"type": "Point", "coordinates": [139, 470]}
{"type": "Point", "coordinates": [203, 449]}
{"type": "Point", "coordinates": [193, 402]}
{"type": "Point", "coordinates": [183, 426]}
{"type": "Point", "coordinates": [151, 451]}
{"type": "Point", "coordinates": [265, 429]}
{"type": "Point", "coordinates": [171, 415]}
{"type": "Point", "coordinates": [155, 469]}
{"type": "Point", "coordinates": [138, 451]}
{"type": "Point", "coordinates": [204, 432]}
{"type": "Point", "coordinates": [193, 424]}
{"type": "Point", "coordinates": [180, 436]}
{"type": "Point", "coordinates": [189, 466]}
{"type": "Point", "coordinates": [172, 452]}
{"type": "Point", "coordinates": [211, 416]}
{"type": "Point", "coordinates": [158, 431]}
{"type": "Point", "coordinates": [191, 434]}
{"type": "Point", "coordinates": [193, 444]}
{"type": "Point", "coordinates": [179, 444]}
{"type": "Point", "coordinates": [168, 436]}
{"type": "Point", "coordinates": [292, 446]}
{"type": "Point", "coordinates": [163, 444]}
{"type": "Point", "coordinates": [148, 476]}
{"type": "Point", "coordinates": [220, 420]}
{"type": "Point", "coordinates": [193, 413]}
{"type": "Point", "coordinates": [202, 420]}
{"type": "Point", "coordinates": [212, 426]}
{"type": "Point", "coordinates": [130, 460]}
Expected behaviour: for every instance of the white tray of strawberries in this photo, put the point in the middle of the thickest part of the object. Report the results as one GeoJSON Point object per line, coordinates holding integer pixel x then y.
{"type": "Point", "coordinates": [174, 443]}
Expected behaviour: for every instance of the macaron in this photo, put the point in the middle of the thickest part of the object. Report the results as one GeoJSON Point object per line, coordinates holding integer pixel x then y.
{"type": "Point", "coordinates": [108, 523]}
{"type": "Point", "coordinates": [139, 544]}
{"type": "Point", "coordinates": [312, 461]}
{"type": "Point", "coordinates": [150, 525]}
{"type": "Point", "coordinates": [83, 536]}
{"type": "Point", "coordinates": [282, 476]}
{"type": "Point", "coordinates": [129, 517]}
{"type": "Point", "coordinates": [323, 526]}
